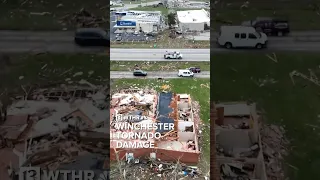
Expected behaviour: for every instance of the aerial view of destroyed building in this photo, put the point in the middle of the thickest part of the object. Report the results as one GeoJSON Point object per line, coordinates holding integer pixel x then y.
{"type": "Point", "coordinates": [48, 121]}
{"type": "Point", "coordinates": [244, 148]}
{"type": "Point", "coordinates": [177, 145]}
{"type": "Point", "coordinates": [61, 128]}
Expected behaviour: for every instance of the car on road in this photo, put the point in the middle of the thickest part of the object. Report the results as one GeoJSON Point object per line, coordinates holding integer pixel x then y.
{"type": "Point", "coordinates": [194, 69]}
{"type": "Point", "coordinates": [241, 37]}
{"type": "Point", "coordinates": [269, 26]}
{"type": "Point", "coordinates": [185, 73]}
{"type": "Point", "coordinates": [92, 37]}
{"type": "Point", "coordinates": [172, 55]}
{"type": "Point", "coordinates": [139, 72]}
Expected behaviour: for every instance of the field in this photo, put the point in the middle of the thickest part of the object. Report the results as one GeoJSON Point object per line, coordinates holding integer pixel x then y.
{"type": "Point", "coordinates": [303, 15]}
{"type": "Point", "coordinates": [157, 66]}
{"type": "Point", "coordinates": [255, 77]}
{"type": "Point", "coordinates": [26, 14]}
{"type": "Point", "coordinates": [199, 91]}
{"type": "Point", "coordinates": [48, 69]}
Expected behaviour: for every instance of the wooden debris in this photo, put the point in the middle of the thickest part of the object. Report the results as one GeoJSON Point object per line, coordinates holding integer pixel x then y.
{"type": "Point", "coordinates": [313, 78]}
{"type": "Point", "coordinates": [274, 58]}
{"type": "Point", "coordinates": [40, 13]}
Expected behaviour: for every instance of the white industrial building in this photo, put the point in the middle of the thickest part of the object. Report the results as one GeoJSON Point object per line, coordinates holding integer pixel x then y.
{"type": "Point", "coordinates": [132, 21]}
{"type": "Point", "coordinates": [193, 20]}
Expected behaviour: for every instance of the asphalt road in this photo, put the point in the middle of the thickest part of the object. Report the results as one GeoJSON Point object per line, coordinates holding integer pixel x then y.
{"type": "Point", "coordinates": [62, 42]}
{"type": "Point", "coordinates": [54, 41]}
{"type": "Point", "coordinates": [117, 54]}
{"type": "Point", "coordinates": [155, 74]}
{"type": "Point", "coordinates": [135, 5]}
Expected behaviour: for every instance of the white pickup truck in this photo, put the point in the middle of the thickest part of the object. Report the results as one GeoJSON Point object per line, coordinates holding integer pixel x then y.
{"type": "Point", "coordinates": [173, 55]}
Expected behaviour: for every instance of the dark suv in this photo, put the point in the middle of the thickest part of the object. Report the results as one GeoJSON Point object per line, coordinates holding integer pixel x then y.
{"type": "Point", "coordinates": [91, 37]}
{"type": "Point", "coordinates": [195, 69]}
{"type": "Point", "coordinates": [269, 26]}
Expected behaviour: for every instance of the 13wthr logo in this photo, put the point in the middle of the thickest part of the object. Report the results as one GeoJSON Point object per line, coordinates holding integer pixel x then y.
{"type": "Point", "coordinates": [35, 173]}
{"type": "Point", "coordinates": [30, 173]}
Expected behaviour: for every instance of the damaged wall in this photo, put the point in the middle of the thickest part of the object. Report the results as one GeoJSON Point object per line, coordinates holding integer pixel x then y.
{"type": "Point", "coordinates": [162, 154]}
{"type": "Point", "coordinates": [186, 136]}
{"type": "Point", "coordinates": [238, 141]}
{"type": "Point", "coordinates": [215, 170]}
{"type": "Point", "coordinates": [183, 124]}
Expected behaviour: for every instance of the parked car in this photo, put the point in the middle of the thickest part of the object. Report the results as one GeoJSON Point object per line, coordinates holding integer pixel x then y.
{"type": "Point", "coordinates": [139, 72]}
{"type": "Point", "coordinates": [194, 69]}
{"type": "Point", "coordinates": [185, 73]}
{"type": "Point", "coordinates": [151, 34]}
{"type": "Point", "coordinates": [241, 37]}
{"type": "Point", "coordinates": [158, 5]}
{"type": "Point", "coordinates": [118, 38]}
{"type": "Point", "coordinates": [91, 37]}
{"type": "Point", "coordinates": [172, 55]}
{"type": "Point", "coordinates": [269, 26]}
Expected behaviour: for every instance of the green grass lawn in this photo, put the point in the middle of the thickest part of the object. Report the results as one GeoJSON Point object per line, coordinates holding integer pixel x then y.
{"type": "Point", "coordinates": [51, 68]}
{"type": "Point", "coordinates": [301, 14]}
{"type": "Point", "coordinates": [15, 14]}
{"type": "Point", "coordinates": [236, 77]}
{"type": "Point", "coordinates": [195, 87]}
{"type": "Point", "coordinates": [157, 66]}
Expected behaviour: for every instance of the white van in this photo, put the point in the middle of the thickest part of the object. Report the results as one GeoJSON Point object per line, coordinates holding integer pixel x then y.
{"type": "Point", "coordinates": [185, 73]}
{"type": "Point", "coordinates": [241, 36]}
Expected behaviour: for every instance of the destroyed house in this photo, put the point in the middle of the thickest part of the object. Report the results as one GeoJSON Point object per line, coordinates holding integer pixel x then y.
{"type": "Point", "coordinates": [238, 142]}
{"type": "Point", "coordinates": [180, 142]}
{"type": "Point", "coordinates": [36, 131]}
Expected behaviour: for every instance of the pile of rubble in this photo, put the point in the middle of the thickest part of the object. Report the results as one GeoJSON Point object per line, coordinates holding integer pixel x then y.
{"type": "Point", "coordinates": [53, 128]}
{"type": "Point", "coordinates": [237, 170]}
{"type": "Point", "coordinates": [83, 18]}
{"type": "Point", "coordinates": [274, 149]}
{"type": "Point", "coordinates": [155, 169]}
